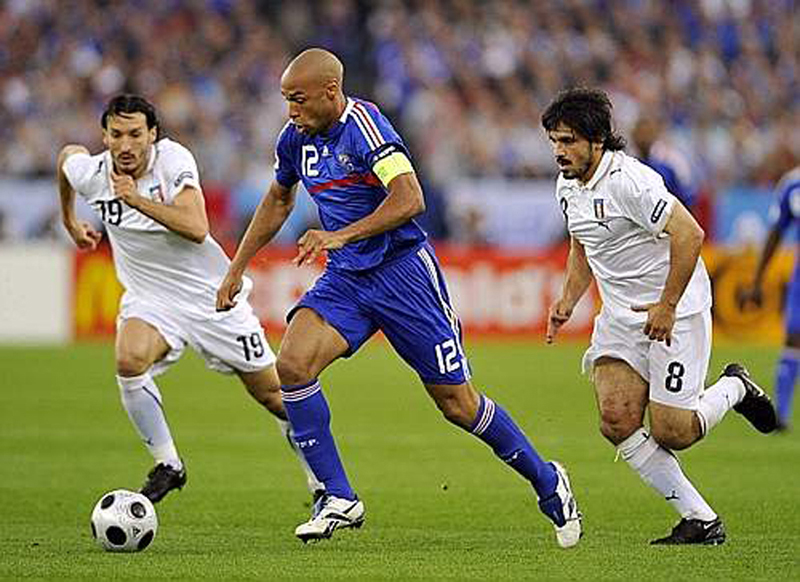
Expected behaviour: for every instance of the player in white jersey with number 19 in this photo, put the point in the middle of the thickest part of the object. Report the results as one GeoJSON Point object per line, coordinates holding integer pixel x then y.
{"type": "Point", "coordinates": [146, 189]}
{"type": "Point", "coordinates": [652, 340]}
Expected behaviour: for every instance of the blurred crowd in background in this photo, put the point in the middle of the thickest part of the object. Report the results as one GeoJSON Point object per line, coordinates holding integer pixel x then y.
{"type": "Point", "coordinates": [717, 82]}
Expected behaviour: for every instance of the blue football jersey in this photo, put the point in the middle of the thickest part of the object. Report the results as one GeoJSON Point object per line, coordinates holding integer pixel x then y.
{"type": "Point", "coordinates": [336, 170]}
{"type": "Point", "coordinates": [787, 210]}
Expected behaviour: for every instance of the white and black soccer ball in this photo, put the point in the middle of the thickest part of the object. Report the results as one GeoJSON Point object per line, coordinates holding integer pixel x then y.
{"type": "Point", "coordinates": [124, 521]}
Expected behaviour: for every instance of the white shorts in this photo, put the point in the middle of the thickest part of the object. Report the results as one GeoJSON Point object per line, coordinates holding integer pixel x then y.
{"type": "Point", "coordinates": [235, 342]}
{"type": "Point", "coordinates": [676, 374]}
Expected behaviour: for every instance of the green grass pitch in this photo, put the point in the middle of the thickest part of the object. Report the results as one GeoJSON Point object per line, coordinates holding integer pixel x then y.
{"type": "Point", "coordinates": [65, 440]}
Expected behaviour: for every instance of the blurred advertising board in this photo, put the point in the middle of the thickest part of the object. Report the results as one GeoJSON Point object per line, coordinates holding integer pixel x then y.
{"type": "Point", "coordinates": [495, 292]}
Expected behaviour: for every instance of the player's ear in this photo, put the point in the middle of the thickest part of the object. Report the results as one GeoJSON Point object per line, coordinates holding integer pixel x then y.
{"type": "Point", "coordinates": [153, 131]}
{"type": "Point", "coordinates": [106, 140]}
{"type": "Point", "coordinates": [331, 89]}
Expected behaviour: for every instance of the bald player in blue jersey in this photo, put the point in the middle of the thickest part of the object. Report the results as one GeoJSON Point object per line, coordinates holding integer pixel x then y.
{"type": "Point", "coordinates": [381, 274]}
{"type": "Point", "coordinates": [787, 215]}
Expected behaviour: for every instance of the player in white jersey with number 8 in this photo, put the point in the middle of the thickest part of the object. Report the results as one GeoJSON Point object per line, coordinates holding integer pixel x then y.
{"type": "Point", "coordinates": [146, 189]}
{"type": "Point", "coordinates": [651, 342]}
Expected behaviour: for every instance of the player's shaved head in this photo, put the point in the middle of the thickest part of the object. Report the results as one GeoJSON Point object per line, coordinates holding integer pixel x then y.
{"type": "Point", "coordinates": [314, 66]}
{"type": "Point", "coordinates": [312, 86]}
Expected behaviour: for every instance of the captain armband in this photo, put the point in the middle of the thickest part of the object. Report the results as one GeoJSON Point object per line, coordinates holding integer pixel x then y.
{"type": "Point", "coordinates": [388, 168]}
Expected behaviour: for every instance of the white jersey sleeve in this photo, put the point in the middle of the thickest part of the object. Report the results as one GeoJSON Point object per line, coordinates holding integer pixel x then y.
{"type": "Point", "coordinates": [179, 169]}
{"type": "Point", "coordinates": [642, 196]}
{"type": "Point", "coordinates": [84, 173]}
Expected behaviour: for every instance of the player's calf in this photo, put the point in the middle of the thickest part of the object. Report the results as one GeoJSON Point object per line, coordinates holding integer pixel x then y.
{"type": "Point", "coordinates": [674, 428]}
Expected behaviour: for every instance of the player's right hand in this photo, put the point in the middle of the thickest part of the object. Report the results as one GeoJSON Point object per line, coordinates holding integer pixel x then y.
{"type": "Point", "coordinates": [558, 315]}
{"type": "Point", "coordinates": [227, 292]}
{"type": "Point", "coordinates": [84, 236]}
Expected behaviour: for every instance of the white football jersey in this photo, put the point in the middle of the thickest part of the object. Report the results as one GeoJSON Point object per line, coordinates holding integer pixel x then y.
{"type": "Point", "coordinates": [619, 217]}
{"type": "Point", "coordinates": [151, 261]}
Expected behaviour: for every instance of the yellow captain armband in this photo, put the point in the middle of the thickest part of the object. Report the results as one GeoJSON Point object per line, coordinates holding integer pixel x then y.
{"type": "Point", "coordinates": [388, 168]}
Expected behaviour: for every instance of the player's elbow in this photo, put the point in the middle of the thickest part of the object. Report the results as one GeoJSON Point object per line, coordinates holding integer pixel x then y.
{"type": "Point", "coordinates": [416, 206]}
{"type": "Point", "coordinates": [198, 235]}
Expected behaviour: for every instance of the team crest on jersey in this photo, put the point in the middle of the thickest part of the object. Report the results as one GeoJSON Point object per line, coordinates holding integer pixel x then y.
{"type": "Point", "coordinates": [156, 193]}
{"type": "Point", "coordinates": [344, 160]}
{"type": "Point", "coordinates": [599, 208]}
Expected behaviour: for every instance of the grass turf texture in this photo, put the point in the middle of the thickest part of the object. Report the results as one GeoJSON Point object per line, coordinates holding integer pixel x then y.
{"type": "Point", "coordinates": [439, 505]}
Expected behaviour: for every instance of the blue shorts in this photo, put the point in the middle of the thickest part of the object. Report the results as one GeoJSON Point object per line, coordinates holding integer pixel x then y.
{"type": "Point", "coordinates": [407, 300]}
{"type": "Point", "coordinates": [793, 301]}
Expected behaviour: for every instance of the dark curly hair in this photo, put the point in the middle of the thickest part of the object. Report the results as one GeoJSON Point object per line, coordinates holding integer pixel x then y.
{"type": "Point", "coordinates": [128, 103]}
{"type": "Point", "coordinates": [587, 112]}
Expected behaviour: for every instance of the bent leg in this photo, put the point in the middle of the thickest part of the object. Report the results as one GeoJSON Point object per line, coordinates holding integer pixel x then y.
{"type": "Point", "coordinates": [621, 397]}
{"type": "Point", "coordinates": [138, 346]}
{"type": "Point", "coordinates": [309, 346]}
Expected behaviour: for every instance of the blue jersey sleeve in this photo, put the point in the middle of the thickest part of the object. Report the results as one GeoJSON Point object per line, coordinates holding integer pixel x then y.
{"type": "Point", "coordinates": [788, 207]}
{"type": "Point", "coordinates": [376, 138]}
{"type": "Point", "coordinates": [285, 171]}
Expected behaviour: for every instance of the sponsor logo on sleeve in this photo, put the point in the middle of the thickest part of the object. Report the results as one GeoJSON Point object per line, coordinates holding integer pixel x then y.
{"type": "Point", "coordinates": [183, 176]}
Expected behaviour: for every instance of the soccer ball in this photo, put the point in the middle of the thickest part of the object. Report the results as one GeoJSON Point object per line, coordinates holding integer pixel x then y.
{"type": "Point", "coordinates": [124, 521]}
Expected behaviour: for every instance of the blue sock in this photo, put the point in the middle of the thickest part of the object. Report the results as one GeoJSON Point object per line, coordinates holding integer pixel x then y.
{"type": "Point", "coordinates": [310, 416]}
{"type": "Point", "coordinates": [496, 428]}
{"type": "Point", "coordinates": [785, 379]}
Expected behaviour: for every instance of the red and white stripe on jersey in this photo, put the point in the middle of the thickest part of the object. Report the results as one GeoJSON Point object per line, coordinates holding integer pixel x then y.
{"type": "Point", "coordinates": [367, 125]}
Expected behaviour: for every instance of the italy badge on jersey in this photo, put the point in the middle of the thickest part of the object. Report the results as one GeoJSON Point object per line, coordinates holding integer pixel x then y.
{"type": "Point", "coordinates": [599, 208]}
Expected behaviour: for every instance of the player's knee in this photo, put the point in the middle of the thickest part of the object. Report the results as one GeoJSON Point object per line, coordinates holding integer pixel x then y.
{"type": "Point", "coordinates": [292, 370]}
{"type": "Point", "coordinates": [132, 363]}
{"type": "Point", "coordinates": [617, 423]}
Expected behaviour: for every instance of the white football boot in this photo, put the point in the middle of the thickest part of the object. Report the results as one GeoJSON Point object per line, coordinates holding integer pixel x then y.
{"type": "Point", "coordinates": [331, 513]}
{"type": "Point", "coordinates": [569, 534]}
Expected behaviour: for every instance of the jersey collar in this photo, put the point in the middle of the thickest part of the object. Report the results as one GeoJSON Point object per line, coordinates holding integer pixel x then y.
{"type": "Point", "coordinates": [347, 108]}
{"type": "Point", "coordinates": [334, 131]}
{"type": "Point", "coordinates": [151, 160]}
{"type": "Point", "coordinates": [602, 168]}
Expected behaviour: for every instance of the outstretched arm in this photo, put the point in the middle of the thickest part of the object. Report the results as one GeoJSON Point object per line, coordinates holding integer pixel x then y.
{"type": "Point", "coordinates": [404, 202]}
{"type": "Point", "coordinates": [272, 212]}
{"type": "Point", "coordinates": [577, 279]}
{"type": "Point", "coordinates": [82, 233]}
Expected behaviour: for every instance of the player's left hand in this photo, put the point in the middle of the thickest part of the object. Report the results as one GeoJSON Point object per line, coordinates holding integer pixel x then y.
{"type": "Point", "coordinates": [660, 321]}
{"type": "Point", "coordinates": [125, 188]}
{"type": "Point", "coordinates": [313, 242]}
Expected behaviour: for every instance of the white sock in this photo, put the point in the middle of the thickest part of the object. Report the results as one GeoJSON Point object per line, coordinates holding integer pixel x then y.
{"type": "Point", "coordinates": [717, 400]}
{"type": "Point", "coordinates": [312, 482]}
{"type": "Point", "coordinates": [142, 401]}
{"type": "Point", "coordinates": [659, 468]}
